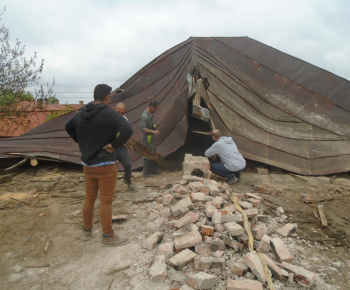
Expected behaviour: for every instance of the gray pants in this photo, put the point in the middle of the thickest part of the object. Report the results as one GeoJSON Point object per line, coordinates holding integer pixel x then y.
{"type": "Point", "coordinates": [124, 159]}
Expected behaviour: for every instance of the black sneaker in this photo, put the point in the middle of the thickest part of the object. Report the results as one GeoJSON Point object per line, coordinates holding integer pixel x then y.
{"type": "Point", "coordinates": [232, 180]}
{"type": "Point", "coordinates": [129, 184]}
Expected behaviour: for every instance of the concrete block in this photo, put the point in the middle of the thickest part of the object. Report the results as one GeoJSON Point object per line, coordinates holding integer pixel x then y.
{"type": "Point", "coordinates": [253, 261]}
{"type": "Point", "coordinates": [302, 276]}
{"type": "Point", "coordinates": [201, 280]}
{"type": "Point", "coordinates": [213, 190]}
{"type": "Point", "coordinates": [198, 197]}
{"type": "Point", "coordinates": [203, 249]}
{"type": "Point", "coordinates": [234, 229]}
{"type": "Point", "coordinates": [206, 230]}
{"type": "Point", "coordinates": [252, 195]}
{"type": "Point", "coordinates": [158, 270]}
{"type": "Point", "coordinates": [238, 218]}
{"type": "Point", "coordinates": [166, 249]}
{"type": "Point", "coordinates": [264, 244]}
{"type": "Point", "coordinates": [252, 212]}
{"type": "Point", "coordinates": [188, 218]}
{"type": "Point", "coordinates": [187, 240]}
{"type": "Point", "coordinates": [244, 285]}
{"type": "Point", "coordinates": [168, 199]}
{"type": "Point", "coordinates": [152, 241]}
{"type": "Point", "coordinates": [216, 218]}
{"type": "Point", "coordinates": [240, 267]}
{"type": "Point", "coordinates": [259, 231]}
{"type": "Point", "coordinates": [245, 204]}
{"type": "Point", "coordinates": [281, 251]}
{"type": "Point", "coordinates": [165, 212]}
{"type": "Point", "coordinates": [176, 208]}
{"type": "Point", "coordinates": [182, 259]}
{"type": "Point", "coordinates": [286, 230]}
{"type": "Point", "coordinates": [232, 243]}
{"type": "Point", "coordinates": [207, 263]}
{"type": "Point", "coordinates": [209, 210]}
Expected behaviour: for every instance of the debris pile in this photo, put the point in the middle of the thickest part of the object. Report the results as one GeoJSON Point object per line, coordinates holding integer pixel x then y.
{"type": "Point", "coordinates": [218, 238]}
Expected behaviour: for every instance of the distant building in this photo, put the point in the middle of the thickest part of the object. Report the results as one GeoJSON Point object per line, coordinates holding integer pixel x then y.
{"type": "Point", "coordinates": [30, 114]}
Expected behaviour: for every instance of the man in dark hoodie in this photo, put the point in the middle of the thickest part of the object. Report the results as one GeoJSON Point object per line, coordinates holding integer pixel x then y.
{"type": "Point", "coordinates": [232, 162]}
{"type": "Point", "coordinates": [93, 127]}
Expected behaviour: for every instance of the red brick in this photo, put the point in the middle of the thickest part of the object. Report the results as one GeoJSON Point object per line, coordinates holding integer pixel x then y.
{"type": "Point", "coordinates": [281, 251]}
{"type": "Point", "coordinates": [206, 230]}
{"type": "Point", "coordinates": [201, 280]}
{"type": "Point", "coordinates": [301, 275]}
{"type": "Point", "coordinates": [244, 285]}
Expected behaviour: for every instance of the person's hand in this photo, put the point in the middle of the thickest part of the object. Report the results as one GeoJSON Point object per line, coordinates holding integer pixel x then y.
{"type": "Point", "coordinates": [109, 148]}
{"type": "Point", "coordinates": [156, 132]}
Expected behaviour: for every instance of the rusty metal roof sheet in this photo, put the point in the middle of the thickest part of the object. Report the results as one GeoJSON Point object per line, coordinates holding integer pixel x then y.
{"type": "Point", "coordinates": [280, 110]}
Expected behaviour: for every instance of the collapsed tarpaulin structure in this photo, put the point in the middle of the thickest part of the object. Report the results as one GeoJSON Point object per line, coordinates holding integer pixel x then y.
{"type": "Point", "coordinates": [280, 110]}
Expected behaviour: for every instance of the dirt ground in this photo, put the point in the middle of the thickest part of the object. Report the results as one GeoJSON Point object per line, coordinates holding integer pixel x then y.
{"type": "Point", "coordinates": [40, 233]}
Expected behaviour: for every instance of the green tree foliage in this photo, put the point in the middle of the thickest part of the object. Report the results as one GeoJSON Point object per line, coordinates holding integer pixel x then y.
{"type": "Point", "coordinates": [17, 72]}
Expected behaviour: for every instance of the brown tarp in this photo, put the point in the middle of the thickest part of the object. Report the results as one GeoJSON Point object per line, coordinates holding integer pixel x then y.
{"type": "Point", "coordinates": [279, 110]}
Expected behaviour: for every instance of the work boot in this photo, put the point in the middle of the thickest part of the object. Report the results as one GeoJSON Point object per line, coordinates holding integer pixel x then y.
{"type": "Point", "coordinates": [87, 234]}
{"type": "Point", "coordinates": [129, 184]}
{"type": "Point", "coordinates": [112, 240]}
{"type": "Point", "coordinates": [231, 180]}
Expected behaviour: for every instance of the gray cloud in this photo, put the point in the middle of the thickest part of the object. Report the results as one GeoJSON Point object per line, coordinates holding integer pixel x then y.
{"type": "Point", "coordinates": [88, 42]}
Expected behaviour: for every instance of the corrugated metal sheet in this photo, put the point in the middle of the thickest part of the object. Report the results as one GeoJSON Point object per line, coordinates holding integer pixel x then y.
{"type": "Point", "coordinates": [279, 109]}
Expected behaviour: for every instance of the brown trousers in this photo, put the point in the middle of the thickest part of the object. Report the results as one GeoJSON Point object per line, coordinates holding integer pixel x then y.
{"type": "Point", "coordinates": [100, 179]}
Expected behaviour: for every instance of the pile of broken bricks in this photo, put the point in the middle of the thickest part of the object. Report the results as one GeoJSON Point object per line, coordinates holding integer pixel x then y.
{"type": "Point", "coordinates": [203, 234]}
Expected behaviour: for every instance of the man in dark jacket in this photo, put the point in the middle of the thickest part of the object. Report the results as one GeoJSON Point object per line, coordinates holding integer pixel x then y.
{"type": "Point", "coordinates": [93, 127]}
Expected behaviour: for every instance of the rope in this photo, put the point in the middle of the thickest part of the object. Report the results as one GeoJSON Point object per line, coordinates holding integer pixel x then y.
{"type": "Point", "coordinates": [250, 240]}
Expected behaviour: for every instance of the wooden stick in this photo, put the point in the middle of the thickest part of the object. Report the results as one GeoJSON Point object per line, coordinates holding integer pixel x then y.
{"type": "Point", "coordinates": [47, 245]}
{"type": "Point", "coordinates": [322, 214]}
{"type": "Point", "coordinates": [17, 164]}
{"type": "Point", "coordinates": [113, 271]}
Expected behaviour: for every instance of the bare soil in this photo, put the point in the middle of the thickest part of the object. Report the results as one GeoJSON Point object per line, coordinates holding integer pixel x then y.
{"type": "Point", "coordinates": [40, 233]}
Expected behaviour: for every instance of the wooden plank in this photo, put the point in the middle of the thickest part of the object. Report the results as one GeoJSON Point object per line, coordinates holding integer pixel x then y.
{"type": "Point", "coordinates": [145, 151]}
{"type": "Point", "coordinates": [322, 215]}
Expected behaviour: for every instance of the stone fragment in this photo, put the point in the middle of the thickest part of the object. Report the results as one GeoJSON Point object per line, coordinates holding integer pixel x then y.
{"type": "Point", "coordinates": [234, 229]}
{"type": "Point", "coordinates": [158, 270]}
{"type": "Point", "coordinates": [187, 240]}
{"type": "Point", "coordinates": [264, 244]}
{"type": "Point", "coordinates": [152, 241]}
{"type": "Point", "coordinates": [213, 190]}
{"type": "Point", "coordinates": [252, 212]}
{"type": "Point", "coordinates": [206, 230]}
{"type": "Point", "coordinates": [165, 212]}
{"type": "Point", "coordinates": [188, 218]}
{"type": "Point", "coordinates": [261, 170]}
{"type": "Point", "coordinates": [252, 195]}
{"type": "Point", "coordinates": [198, 197]}
{"type": "Point", "coordinates": [181, 190]}
{"type": "Point", "coordinates": [168, 199]}
{"type": "Point", "coordinates": [232, 243]}
{"type": "Point", "coordinates": [209, 210]}
{"type": "Point", "coordinates": [240, 267]}
{"type": "Point", "coordinates": [279, 211]}
{"type": "Point", "coordinates": [302, 276]}
{"type": "Point", "coordinates": [217, 202]}
{"type": "Point", "coordinates": [245, 204]}
{"type": "Point", "coordinates": [182, 259]}
{"type": "Point", "coordinates": [177, 208]}
{"type": "Point", "coordinates": [275, 270]}
{"type": "Point", "coordinates": [259, 231]}
{"type": "Point", "coordinates": [216, 218]}
{"type": "Point", "coordinates": [253, 261]}
{"type": "Point", "coordinates": [201, 280]}
{"type": "Point", "coordinates": [281, 251]}
{"type": "Point", "coordinates": [203, 249]}
{"type": "Point", "coordinates": [262, 218]}
{"type": "Point", "coordinates": [166, 249]}
{"type": "Point", "coordinates": [286, 230]}
{"type": "Point", "coordinates": [306, 198]}
{"type": "Point", "coordinates": [216, 244]}
{"type": "Point", "coordinates": [244, 285]}
{"type": "Point", "coordinates": [196, 186]}
{"type": "Point", "coordinates": [207, 263]}
{"type": "Point", "coordinates": [238, 218]}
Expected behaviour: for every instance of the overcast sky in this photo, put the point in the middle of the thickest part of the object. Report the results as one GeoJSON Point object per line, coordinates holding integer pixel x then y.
{"type": "Point", "coordinates": [86, 42]}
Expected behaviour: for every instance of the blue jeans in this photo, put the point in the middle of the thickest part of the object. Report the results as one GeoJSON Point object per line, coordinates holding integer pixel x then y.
{"type": "Point", "coordinates": [220, 169]}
